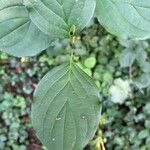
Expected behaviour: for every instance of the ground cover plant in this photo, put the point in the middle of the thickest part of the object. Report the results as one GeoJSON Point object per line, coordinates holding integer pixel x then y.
{"type": "Point", "coordinates": [67, 98]}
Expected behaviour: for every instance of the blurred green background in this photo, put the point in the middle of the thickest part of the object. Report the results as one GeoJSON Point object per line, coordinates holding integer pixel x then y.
{"type": "Point", "coordinates": [125, 121]}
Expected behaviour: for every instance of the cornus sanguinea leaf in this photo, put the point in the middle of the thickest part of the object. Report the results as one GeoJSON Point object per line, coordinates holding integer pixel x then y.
{"type": "Point", "coordinates": [125, 18]}
{"type": "Point", "coordinates": [29, 26]}
{"type": "Point", "coordinates": [56, 17]}
{"type": "Point", "coordinates": [66, 108]}
{"type": "Point", "coordinates": [18, 35]}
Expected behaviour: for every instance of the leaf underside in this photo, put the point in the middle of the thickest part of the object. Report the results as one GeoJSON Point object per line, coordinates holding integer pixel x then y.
{"type": "Point", "coordinates": [56, 17]}
{"type": "Point", "coordinates": [125, 18]}
{"type": "Point", "coordinates": [29, 26]}
{"type": "Point", "coordinates": [66, 108]}
{"type": "Point", "coordinates": [18, 35]}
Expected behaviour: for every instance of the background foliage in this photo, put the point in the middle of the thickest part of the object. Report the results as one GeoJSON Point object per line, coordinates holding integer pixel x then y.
{"type": "Point", "coordinates": [125, 120]}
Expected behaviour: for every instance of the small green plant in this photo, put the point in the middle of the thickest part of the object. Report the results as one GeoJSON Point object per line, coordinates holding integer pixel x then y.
{"type": "Point", "coordinates": [66, 107]}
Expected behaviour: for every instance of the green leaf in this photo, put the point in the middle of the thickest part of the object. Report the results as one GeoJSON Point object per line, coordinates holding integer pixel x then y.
{"type": "Point", "coordinates": [66, 108]}
{"type": "Point", "coordinates": [147, 124]}
{"type": "Point", "coordinates": [143, 134]}
{"type": "Point", "coordinates": [143, 81]}
{"type": "Point", "coordinates": [125, 18]}
{"type": "Point", "coordinates": [90, 62]}
{"type": "Point", "coordinates": [141, 55]}
{"type": "Point", "coordinates": [18, 35]}
{"type": "Point", "coordinates": [146, 108]}
{"type": "Point", "coordinates": [148, 142]}
{"type": "Point", "coordinates": [57, 18]}
{"type": "Point", "coordinates": [127, 58]}
{"type": "Point", "coordinates": [145, 67]}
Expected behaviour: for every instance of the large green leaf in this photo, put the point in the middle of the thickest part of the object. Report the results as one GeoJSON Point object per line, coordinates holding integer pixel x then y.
{"type": "Point", "coordinates": [66, 108]}
{"type": "Point", "coordinates": [18, 35]}
{"type": "Point", "coordinates": [125, 18]}
{"type": "Point", "coordinates": [56, 17]}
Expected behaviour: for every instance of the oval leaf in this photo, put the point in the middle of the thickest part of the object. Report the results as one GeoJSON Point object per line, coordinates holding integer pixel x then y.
{"type": "Point", "coordinates": [127, 58]}
{"type": "Point", "coordinates": [18, 35]}
{"type": "Point", "coordinates": [56, 17]}
{"type": "Point", "coordinates": [125, 18]}
{"type": "Point", "coordinates": [66, 110]}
